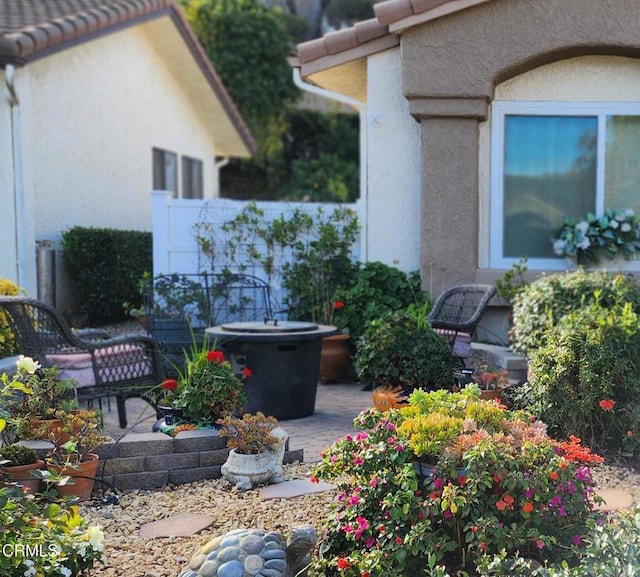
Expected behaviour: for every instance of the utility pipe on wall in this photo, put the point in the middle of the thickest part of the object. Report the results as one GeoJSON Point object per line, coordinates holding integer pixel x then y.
{"type": "Point", "coordinates": [362, 113]}
{"type": "Point", "coordinates": [18, 188]}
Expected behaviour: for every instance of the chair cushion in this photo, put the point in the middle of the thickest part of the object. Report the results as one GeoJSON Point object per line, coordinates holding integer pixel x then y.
{"type": "Point", "coordinates": [462, 344]}
{"type": "Point", "coordinates": [78, 366]}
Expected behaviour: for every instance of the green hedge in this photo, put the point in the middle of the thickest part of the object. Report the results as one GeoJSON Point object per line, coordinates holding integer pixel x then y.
{"type": "Point", "coordinates": [105, 267]}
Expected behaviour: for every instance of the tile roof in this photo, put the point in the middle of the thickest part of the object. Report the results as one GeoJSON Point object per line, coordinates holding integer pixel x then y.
{"type": "Point", "coordinates": [370, 36]}
{"type": "Point", "coordinates": [32, 29]}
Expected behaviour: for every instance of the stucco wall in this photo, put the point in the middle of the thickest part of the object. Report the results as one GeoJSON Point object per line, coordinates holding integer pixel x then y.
{"type": "Point", "coordinates": [450, 69]}
{"type": "Point", "coordinates": [90, 117]}
{"type": "Point", "coordinates": [393, 165]}
{"type": "Point", "coordinates": [586, 79]}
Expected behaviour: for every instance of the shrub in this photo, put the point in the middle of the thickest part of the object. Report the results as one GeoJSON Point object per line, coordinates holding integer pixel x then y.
{"type": "Point", "coordinates": [8, 346]}
{"type": "Point", "coordinates": [585, 379]}
{"type": "Point", "coordinates": [105, 267]}
{"type": "Point", "coordinates": [376, 290]}
{"type": "Point", "coordinates": [541, 304]}
{"type": "Point", "coordinates": [402, 349]}
{"type": "Point", "coordinates": [504, 487]}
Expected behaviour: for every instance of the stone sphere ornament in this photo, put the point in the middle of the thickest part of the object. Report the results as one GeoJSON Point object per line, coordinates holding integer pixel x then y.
{"type": "Point", "coordinates": [254, 553]}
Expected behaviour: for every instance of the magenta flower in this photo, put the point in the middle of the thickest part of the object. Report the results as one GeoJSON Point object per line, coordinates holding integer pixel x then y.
{"type": "Point", "coordinates": [577, 540]}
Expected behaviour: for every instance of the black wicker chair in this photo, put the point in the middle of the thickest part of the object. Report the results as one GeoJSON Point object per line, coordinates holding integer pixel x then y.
{"type": "Point", "coordinates": [124, 367]}
{"type": "Point", "coordinates": [456, 314]}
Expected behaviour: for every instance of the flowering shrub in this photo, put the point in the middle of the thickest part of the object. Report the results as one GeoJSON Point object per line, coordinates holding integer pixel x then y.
{"type": "Point", "coordinates": [8, 346]}
{"type": "Point", "coordinates": [59, 544]}
{"type": "Point", "coordinates": [208, 388]}
{"type": "Point", "coordinates": [501, 484]}
{"type": "Point", "coordinates": [594, 237]}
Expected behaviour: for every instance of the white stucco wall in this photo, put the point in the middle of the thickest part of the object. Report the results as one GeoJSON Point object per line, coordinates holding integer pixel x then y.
{"type": "Point", "coordinates": [90, 118]}
{"type": "Point", "coordinates": [393, 164]}
{"type": "Point", "coordinates": [586, 79]}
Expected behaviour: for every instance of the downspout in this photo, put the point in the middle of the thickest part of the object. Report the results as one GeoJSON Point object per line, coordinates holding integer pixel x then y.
{"type": "Point", "coordinates": [18, 188]}
{"type": "Point", "coordinates": [364, 188]}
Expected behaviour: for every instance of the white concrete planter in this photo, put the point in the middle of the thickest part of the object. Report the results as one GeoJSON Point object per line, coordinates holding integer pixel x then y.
{"type": "Point", "coordinates": [245, 471]}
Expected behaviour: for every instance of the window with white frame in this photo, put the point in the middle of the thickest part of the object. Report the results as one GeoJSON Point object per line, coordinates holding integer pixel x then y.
{"type": "Point", "coordinates": [192, 186]}
{"type": "Point", "coordinates": [165, 170]}
{"type": "Point", "coordinates": [551, 160]}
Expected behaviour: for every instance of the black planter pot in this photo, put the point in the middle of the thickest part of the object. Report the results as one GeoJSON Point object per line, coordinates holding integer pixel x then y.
{"type": "Point", "coordinates": [171, 414]}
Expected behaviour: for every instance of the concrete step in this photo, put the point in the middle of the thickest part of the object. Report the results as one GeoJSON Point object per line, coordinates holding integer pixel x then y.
{"type": "Point", "coordinates": [497, 357]}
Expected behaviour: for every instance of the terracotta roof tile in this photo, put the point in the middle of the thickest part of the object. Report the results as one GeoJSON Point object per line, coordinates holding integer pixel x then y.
{"type": "Point", "coordinates": [387, 23]}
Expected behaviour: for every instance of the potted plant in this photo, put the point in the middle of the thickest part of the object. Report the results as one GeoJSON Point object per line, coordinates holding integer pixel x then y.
{"type": "Point", "coordinates": [208, 388]}
{"type": "Point", "coordinates": [401, 350]}
{"type": "Point", "coordinates": [491, 383]}
{"type": "Point", "coordinates": [15, 463]}
{"type": "Point", "coordinates": [256, 449]}
{"type": "Point", "coordinates": [590, 239]}
{"type": "Point", "coordinates": [75, 458]}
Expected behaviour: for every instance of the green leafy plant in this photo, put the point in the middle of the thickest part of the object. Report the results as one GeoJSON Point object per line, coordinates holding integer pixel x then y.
{"type": "Point", "coordinates": [592, 238]}
{"type": "Point", "coordinates": [60, 544]}
{"type": "Point", "coordinates": [513, 281]}
{"type": "Point", "coordinates": [585, 379]}
{"type": "Point", "coordinates": [400, 349]}
{"type": "Point", "coordinates": [8, 346]}
{"type": "Point", "coordinates": [499, 485]}
{"type": "Point", "coordinates": [105, 267]}
{"type": "Point", "coordinates": [208, 388]}
{"type": "Point", "coordinates": [542, 303]}
{"type": "Point", "coordinates": [18, 455]}
{"type": "Point", "coordinates": [249, 434]}
{"type": "Point", "coordinates": [377, 289]}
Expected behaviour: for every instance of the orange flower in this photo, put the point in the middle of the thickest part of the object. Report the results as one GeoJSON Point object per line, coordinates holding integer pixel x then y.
{"type": "Point", "coordinates": [343, 563]}
{"type": "Point", "coordinates": [607, 404]}
{"type": "Point", "coordinates": [528, 507]}
{"type": "Point", "coordinates": [553, 475]}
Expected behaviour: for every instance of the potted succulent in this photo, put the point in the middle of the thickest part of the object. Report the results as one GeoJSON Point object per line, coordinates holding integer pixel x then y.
{"type": "Point", "coordinates": [492, 383]}
{"type": "Point", "coordinates": [75, 458]}
{"type": "Point", "coordinates": [256, 449]}
{"type": "Point", "coordinates": [15, 463]}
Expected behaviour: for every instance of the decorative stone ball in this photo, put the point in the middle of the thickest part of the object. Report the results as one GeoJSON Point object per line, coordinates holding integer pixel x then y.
{"type": "Point", "coordinates": [253, 553]}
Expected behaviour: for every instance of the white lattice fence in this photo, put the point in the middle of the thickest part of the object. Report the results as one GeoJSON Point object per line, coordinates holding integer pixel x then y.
{"type": "Point", "coordinates": [177, 222]}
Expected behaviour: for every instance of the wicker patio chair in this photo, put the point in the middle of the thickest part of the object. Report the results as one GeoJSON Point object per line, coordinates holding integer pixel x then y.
{"type": "Point", "coordinates": [124, 367]}
{"type": "Point", "coordinates": [456, 314]}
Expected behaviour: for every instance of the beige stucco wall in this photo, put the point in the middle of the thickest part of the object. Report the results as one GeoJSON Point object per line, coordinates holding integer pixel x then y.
{"type": "Point", "coordinates": [90, 117]}
{"type": "Point", "coordinates": [393, 167]}
{"type": "Point", "coordinates": [450, 69]}
{"type": "Point", "coordinates": [586, 79]}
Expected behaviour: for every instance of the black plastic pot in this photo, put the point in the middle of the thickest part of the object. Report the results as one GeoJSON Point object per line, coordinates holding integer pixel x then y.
{"type": "Point", "coordinates": [284, 360]}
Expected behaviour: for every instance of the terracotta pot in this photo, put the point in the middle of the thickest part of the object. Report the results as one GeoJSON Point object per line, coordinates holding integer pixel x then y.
{"type": "Point", "coordinates": [491, 394]}
{"type": "Point", "coordinates": [334, 357]}
{"type": "Point", "coordinates": [83, 475]}
{"type": "Point", "coordinates": [20, 474]}
{"type": "Point", "coordinates": [49, 427]}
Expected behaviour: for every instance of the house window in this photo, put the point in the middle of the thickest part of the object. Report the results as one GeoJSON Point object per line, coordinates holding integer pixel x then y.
{"type": "Point", "coordinates": [165, 170]}
{"type": "Point", "coordinates": [191, 178]}
{"type": "Point", "coordinates": [550, 160]}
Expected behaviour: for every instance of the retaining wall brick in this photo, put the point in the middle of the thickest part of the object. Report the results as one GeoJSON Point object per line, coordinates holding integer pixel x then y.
{"type": "Point", "coordinates": [171, 461]}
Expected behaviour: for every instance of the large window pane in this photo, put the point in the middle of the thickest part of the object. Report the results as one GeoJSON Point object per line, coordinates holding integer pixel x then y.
{"type": "Point", "coordinates": [550, 171]}
{"type": "Point", "coordinates": [622, 170]}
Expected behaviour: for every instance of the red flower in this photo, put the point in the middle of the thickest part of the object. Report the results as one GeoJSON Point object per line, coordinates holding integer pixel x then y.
{"type": "Point", "coordinates": [606, 404]}
{"type": "Point", "coordinates": [247, 373]}
{"type": "Point", "coordinates": [215, 357]}
{"type": "Point", "coordinates": [528, 507]}
{"type": "Point", "coordinates": [338, 305]}
{"type": "Point", "coordinates": [343, 563]}
{"type": "Point", "coordinates": [170, 384]}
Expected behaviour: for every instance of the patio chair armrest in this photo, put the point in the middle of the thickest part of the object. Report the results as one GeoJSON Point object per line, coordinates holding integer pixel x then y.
{"type": "Point", "coordinates": [92, 334]}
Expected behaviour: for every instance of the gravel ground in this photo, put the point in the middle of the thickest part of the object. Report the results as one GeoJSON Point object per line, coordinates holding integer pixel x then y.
{"type": "Point", "coordinates": [126, 553]}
